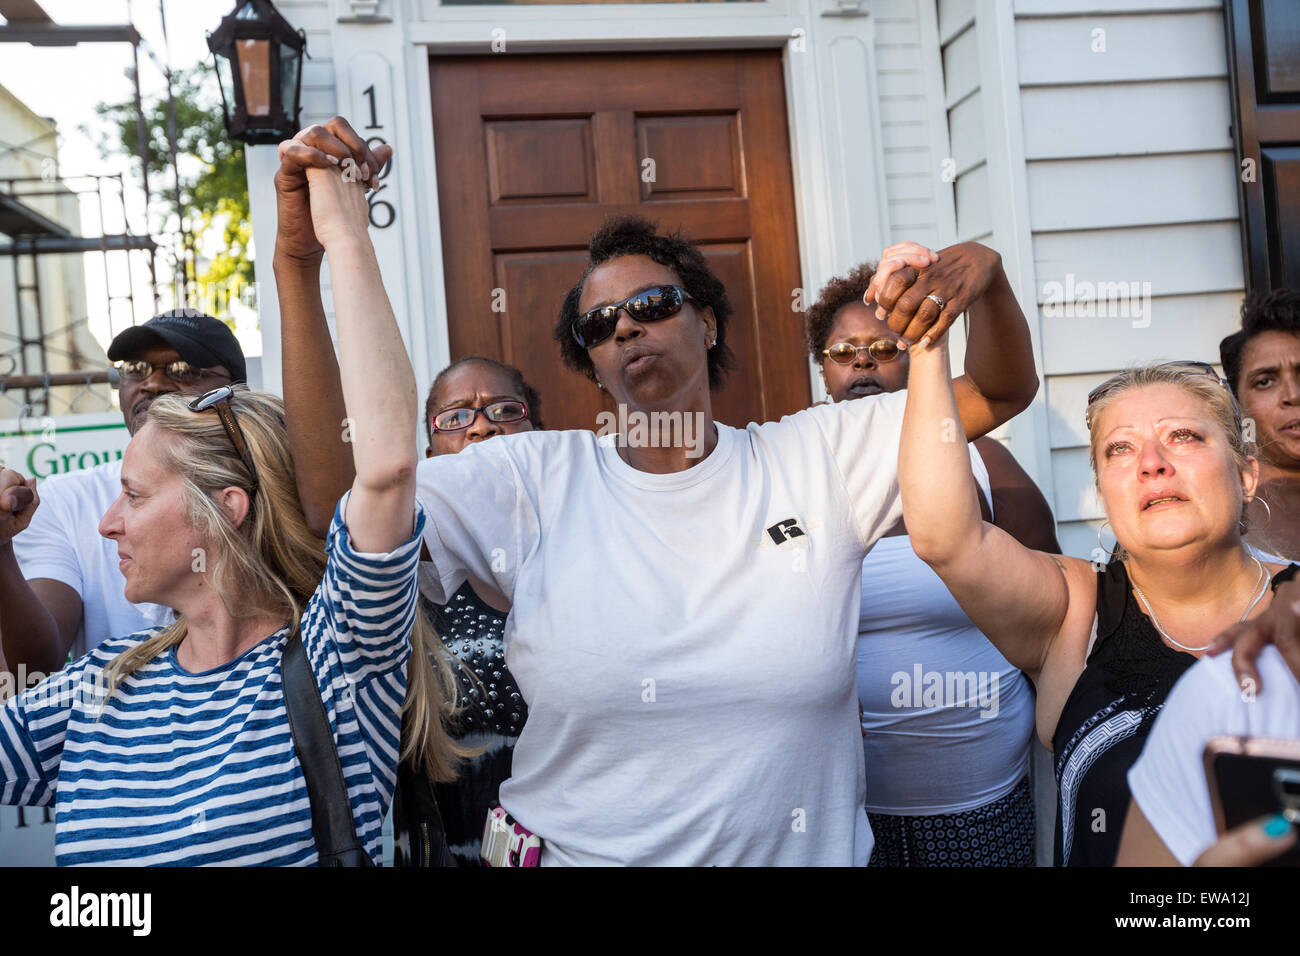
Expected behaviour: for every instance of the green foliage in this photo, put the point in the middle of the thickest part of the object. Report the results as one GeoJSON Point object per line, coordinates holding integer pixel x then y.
{"type": "Point", "coordinates": [220, 188]}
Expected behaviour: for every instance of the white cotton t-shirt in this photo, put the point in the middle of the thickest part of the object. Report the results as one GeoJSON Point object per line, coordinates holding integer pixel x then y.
{"type": "Point", "coordinates": [1168, 781]}
{"type": "Point", "coordinates": [63, 543]}
{"type": "Point", "coordinates": [685, 642]}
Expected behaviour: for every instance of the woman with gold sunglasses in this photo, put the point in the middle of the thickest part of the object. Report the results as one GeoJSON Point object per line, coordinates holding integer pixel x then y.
{"type": "Point", "coordinates": [946, 721]}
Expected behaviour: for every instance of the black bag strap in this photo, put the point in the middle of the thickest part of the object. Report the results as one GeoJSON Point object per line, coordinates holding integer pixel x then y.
{"type": "Point", "coordinates": [332, 825]}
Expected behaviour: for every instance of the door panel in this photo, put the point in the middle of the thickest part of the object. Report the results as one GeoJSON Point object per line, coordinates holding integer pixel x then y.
{"type": "Point", "coordinates": [534, 153]}
{"type": "Point", "coordinates": [1264, 57]}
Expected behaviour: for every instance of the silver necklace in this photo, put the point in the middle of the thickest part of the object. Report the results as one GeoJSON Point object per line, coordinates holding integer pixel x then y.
{"type": "Point", "coordinates": [1263, 587]}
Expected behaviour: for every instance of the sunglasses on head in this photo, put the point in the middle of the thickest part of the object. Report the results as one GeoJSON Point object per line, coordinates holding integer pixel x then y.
{"type": "Point", "coordinates": [846, 353]}
{"type": "Point", "coordinates": [219, 399]}
{"type": "Point", "coordinates": [650, 305]}
{"type": "Point", "coordinates": [1205, 367]}
{"type": "Point", "coordinates": [458, 419]}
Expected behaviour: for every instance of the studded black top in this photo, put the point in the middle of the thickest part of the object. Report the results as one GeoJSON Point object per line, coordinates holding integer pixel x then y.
{"type": "Point", "coordinates": [492, 718]}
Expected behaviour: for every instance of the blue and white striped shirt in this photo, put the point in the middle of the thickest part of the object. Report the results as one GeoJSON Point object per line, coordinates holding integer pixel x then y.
{"type": "Point", "coordinates": [196, 769]}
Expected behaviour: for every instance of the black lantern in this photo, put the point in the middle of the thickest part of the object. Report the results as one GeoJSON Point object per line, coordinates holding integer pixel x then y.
{"type": "Point", "coordinates": [259, 63]}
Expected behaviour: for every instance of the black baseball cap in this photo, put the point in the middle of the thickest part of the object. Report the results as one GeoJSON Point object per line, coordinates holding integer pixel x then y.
{"type": "Point", "coordinates": [199, 339]}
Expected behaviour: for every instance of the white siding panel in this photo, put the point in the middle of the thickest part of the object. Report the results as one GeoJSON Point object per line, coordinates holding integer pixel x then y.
{"type": "Point", "coordinates": [310, 15]}
{"type": "Point", "coordinates": [966, 129]}
{"type": "Point", "coordinates": [1066, 7]}
{"type": "Point", "coordinates": [910, 161]}
{"type": "Point", "coordinates": [1165, 46]}
{"type": "Point", "coordinates": [1076, 495]}
{"type": "Point", "coordinates": [1067, 398]}
{"type": "Point", "coordinates": [890, 32]}
{"type": "Point", "coordinates": [901, 109]}
{"type": "Point", "coordinates": [1126, 119]}
{"type": "Point", "coordinates": [1203, 257]}
{"type": "Point", "coordinates": [961, 68]}
{"type": "Point", "coordinates": [973, 215]}
{"type": "Point", "coordinates": [912, 185]}
{"type": "Point", "coordinates": [1132, 191]}
{"type": "Point", "coordinates": [1079, 538]}
{"type": "Point", "coordinates": [1181, 327]}
{"type": "Point", "coordinates": [906, 135]}
{"type": "Point", "coordinates": [900, 83]}
{"type": "Point", "coordinates": [910, 215]}
{"type": "Point", "coordinates": [954, 16]}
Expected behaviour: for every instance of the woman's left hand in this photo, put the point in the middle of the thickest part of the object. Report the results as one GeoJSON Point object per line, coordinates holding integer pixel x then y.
{"type": "Point", "coordinates": [962, 274]}
{"type": "Point", "coordinates": [339, 210]}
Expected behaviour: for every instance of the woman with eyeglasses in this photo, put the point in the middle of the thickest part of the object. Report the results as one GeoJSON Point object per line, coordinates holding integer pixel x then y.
{"type": "Point", "coordinates": [1103, 645]}
{"type": "Point", "coordinates": [946, 721]}
{"type": "Point", "coordinates": [683, 614]}
{"type": "Point", "coordinates": [173, 746]}
{"type": "Point", "coordinates": [470, 401]}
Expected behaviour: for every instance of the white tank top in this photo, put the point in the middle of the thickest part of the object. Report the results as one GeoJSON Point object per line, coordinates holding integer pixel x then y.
{"type": "Point", "coordinates": [948, 721]}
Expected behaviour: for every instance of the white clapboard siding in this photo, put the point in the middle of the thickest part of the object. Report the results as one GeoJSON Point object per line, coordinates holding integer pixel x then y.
{"type": "Point", "coordinates": [1166, 46]}
{"type": "Point", "coordinates": [1171, 328]}
{"type": "Point", "coordinates": [1099, 193]}
{"type": "Point", "coordinates": [1179, 259]}
{"type": "Point", "coordinates": [1130, 177]}
{"type": "Point", "coordinates": [319, 99]}
{"type": "Point", "coordinates": [908, 136]}
{"type": "Point", "coordinates": [1128, 119]}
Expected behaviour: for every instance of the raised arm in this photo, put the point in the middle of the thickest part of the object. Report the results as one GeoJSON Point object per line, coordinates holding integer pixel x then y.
{"type": "Point", "coordinates": [378, 384]}
{"type": "Point", "coordinates": [313, 395]}
{"type": "Point", "coordinates": [1017, 597]}
{"type": "Point", "coordinates": [38, 619]}
{"type": "Point", "coordinates": [999, 380]}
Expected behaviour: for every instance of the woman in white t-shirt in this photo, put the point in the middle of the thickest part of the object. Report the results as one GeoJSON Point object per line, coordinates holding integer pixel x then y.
{"type": "Point", "coordinates": [173, 745]}
{"type": "Point", "coordinates": [947, 722]}
{"type": "Point", "coordinates": [684, 594]}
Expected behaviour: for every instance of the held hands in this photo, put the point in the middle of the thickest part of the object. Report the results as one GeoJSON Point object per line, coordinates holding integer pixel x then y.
{"type": "Point", "coordinates": [18, 502]}
{"type": "Point", "coordinates": [908, 273]}
{"type": "Point", "coordinates": [335, 145]}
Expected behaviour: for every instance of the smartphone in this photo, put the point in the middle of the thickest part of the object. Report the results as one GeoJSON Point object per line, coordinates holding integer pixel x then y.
{"type": "Point", "coordinates": [508, 843]}
{"type": "Point", "coordinates": [1253, 777]}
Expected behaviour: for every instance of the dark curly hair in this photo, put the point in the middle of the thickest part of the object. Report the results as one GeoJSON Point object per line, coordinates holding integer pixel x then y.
{"type": "Point", "coordinates": [1275, 311]}
{"type": "Point", "coordinates": [635, 236]}
{"type": "Point", "coordinates": [835, 295]}
{"type": "Point", "coordinates": [526, 391]}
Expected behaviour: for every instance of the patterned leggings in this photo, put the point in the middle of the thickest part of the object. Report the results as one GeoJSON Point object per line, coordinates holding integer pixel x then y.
{"type": "Point", "coordinates": [1000, 833]}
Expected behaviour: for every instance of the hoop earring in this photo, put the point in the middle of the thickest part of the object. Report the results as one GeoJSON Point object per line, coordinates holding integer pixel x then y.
{"type": "Point", "coordinates": [1109, 552]}
{"type": "Point", "coordinates": [1268, 512]}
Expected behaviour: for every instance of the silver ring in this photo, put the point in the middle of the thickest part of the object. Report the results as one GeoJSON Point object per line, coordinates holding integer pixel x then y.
{"type": "Point", "coordinates": [937, 301]}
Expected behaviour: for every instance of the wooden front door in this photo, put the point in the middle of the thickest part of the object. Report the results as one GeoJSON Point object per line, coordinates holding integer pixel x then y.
{"type": "Point", "coordinates": [1264, 54]}
{"type": "Point", "coordinates": [535, 152]}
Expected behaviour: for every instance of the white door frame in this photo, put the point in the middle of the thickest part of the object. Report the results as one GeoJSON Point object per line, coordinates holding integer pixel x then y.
{"type": "Point", "coordinates": [831, 106]}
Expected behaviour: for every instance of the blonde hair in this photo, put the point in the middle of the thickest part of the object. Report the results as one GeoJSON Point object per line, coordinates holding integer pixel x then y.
{"type": "Point", "coordinates": [1199, 381]}
{"type": "Point", "coordinates": [271, 564]}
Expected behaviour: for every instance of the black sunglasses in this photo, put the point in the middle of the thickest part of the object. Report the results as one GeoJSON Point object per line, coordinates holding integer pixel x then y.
{"type": "Point", "coordinates": [846, 353]}
{"type": "Point", "coordinates": [219, 400]}
{"type": "Point", "coordinates": [650, 305]}
{"type": "Point", "coordinates": [458, 419]}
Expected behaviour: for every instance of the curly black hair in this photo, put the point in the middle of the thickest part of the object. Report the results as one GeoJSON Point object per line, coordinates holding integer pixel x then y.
{"type": "Point", "coordinates": [526, 391]}
{"type": "Point", "coordinates": [1275, 311]}
{"type": "Point", "coordinates": [634, 236]}
{"type": "Point", "coordinates": [835, 295]}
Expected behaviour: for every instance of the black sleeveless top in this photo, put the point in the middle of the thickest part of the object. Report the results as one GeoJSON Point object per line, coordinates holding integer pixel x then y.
{"type": "Point", "coordinates": [1106, 719]}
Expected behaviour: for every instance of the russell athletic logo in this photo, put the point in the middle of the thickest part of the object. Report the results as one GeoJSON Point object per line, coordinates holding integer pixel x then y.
{"type": "Point", "coordinates": [783, 531]}
{"type": "Point", "coordinates": [133, 910]}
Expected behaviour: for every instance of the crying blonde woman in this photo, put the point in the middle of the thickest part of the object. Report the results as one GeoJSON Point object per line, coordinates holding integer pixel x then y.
{"type": "Point", "coordinates": [1102, 644]}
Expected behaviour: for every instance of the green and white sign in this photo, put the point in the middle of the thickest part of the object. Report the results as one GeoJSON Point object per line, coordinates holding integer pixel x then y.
{"type": "Point", "coordinates": [59, 445]}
